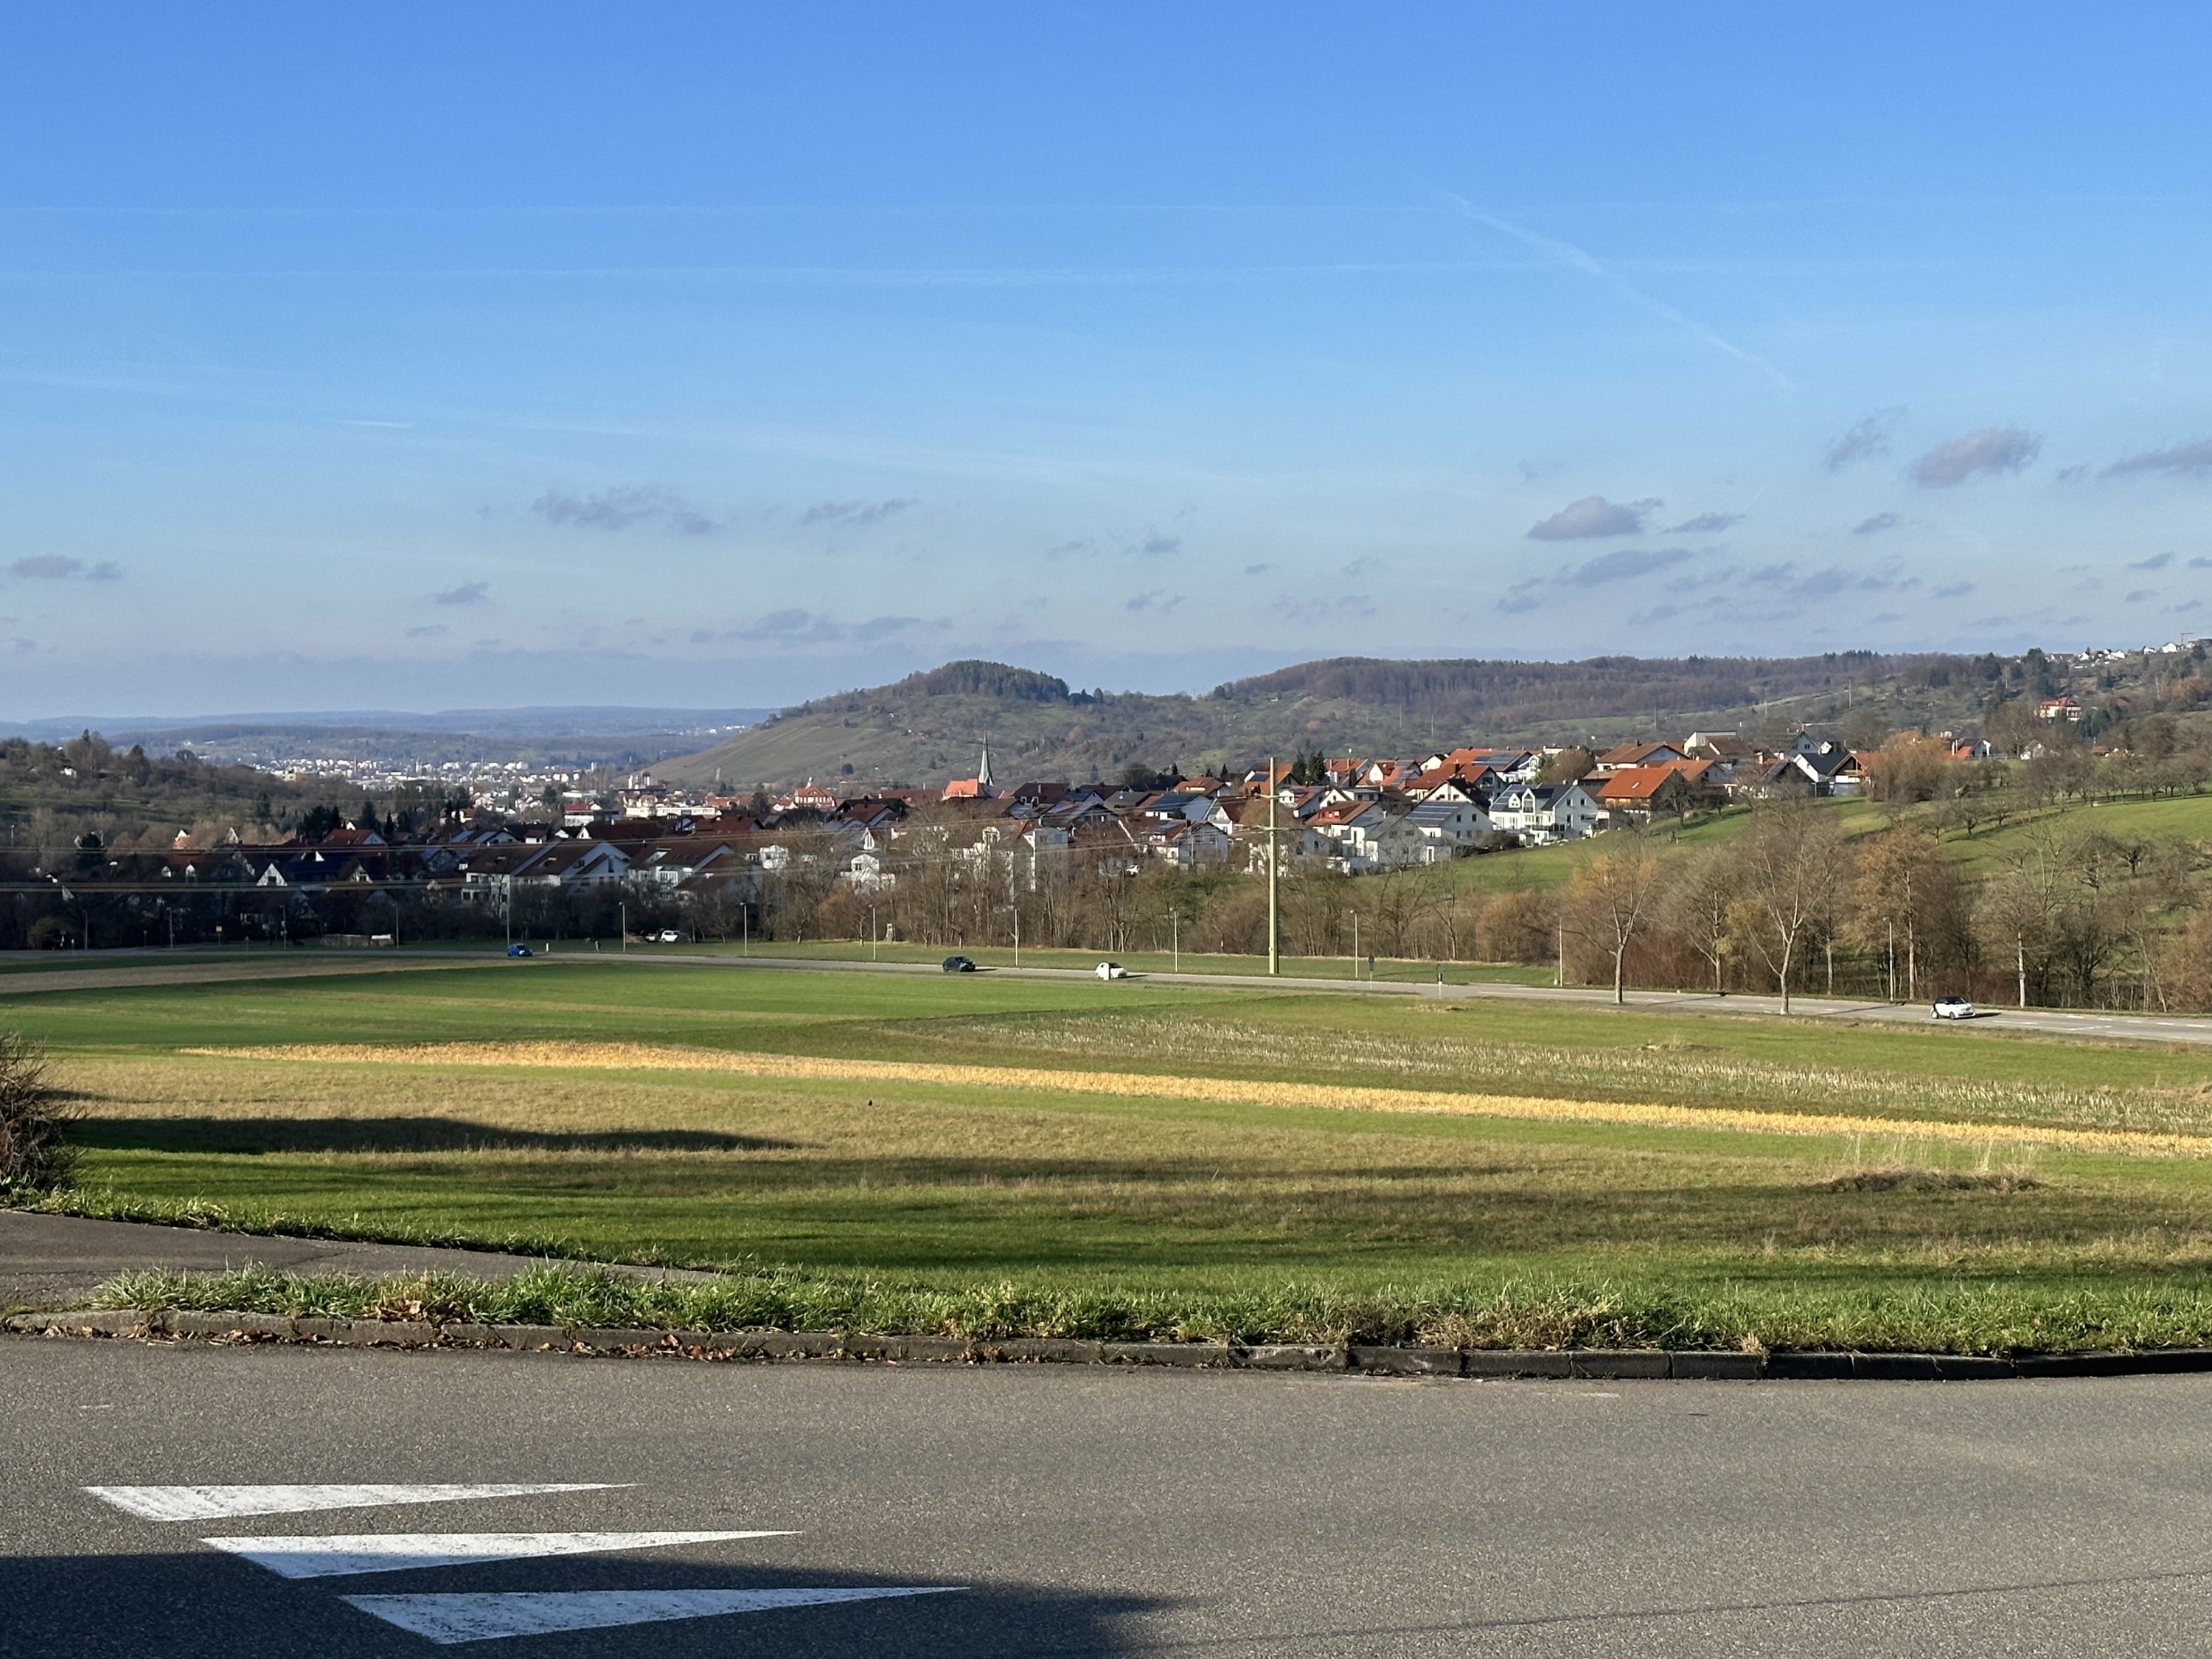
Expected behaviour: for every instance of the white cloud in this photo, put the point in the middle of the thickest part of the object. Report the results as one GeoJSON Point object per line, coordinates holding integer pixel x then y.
{"type": "Point", "coordinates": [1868, 439]}
{"type": "Point", "coordinates": [1990, 449]}
{"type": "Point", "coordinates": [857, 515]}
{"type": "Point", "coordinates": [1594, 515]}
{"type": "Point", "coordinates": [622, 506]}
{"type": "Point", "coordinates": [54, 568]}
{"type": "Point", "coordinates": [2190, 460]}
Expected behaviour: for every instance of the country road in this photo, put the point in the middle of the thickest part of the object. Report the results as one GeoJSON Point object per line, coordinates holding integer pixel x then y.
{"type": "Point", "coordinates": [2142, 1028]}
{"type": "Point", "coordinates": [674, 1509]}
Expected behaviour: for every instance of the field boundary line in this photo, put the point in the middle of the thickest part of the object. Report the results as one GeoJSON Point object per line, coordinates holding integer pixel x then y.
{"type": "Point", "coordinates": [619, 1056]}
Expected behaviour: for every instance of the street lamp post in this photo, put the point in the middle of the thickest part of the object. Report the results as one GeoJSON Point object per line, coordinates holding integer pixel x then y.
{"type": "Point", "coordinates": [1275, 904]}
{"type": "Point", "coordinates": [1175, 941]}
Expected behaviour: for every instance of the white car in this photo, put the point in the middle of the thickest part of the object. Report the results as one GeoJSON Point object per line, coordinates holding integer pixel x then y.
{"type": "Point", "coordinates": [1954, 1008]}
{"type": "Point", "coordinates": [669, 936]}
{"type": "Point", "coordinates": [1110, 970]}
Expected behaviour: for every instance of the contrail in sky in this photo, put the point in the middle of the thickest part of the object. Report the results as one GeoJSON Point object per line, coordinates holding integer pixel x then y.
{"type": "Point", "coordinates": [1567, 253]}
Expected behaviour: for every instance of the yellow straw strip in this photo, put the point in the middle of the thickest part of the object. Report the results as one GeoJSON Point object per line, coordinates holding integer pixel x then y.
{"type": "Point", "coordinates": [641, 1057]}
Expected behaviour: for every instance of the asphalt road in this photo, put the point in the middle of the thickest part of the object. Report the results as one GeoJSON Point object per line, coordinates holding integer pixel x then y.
{"type": "Point", "coordinates": [2141, 1028]}
{"type": "Point", "coordinates": [145, 968]}
{"type": "Point", "coordinates": [1097, 1511]}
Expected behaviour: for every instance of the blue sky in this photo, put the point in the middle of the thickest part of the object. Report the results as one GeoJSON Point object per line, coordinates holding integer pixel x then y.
{"type": "Point", "coordinates": [429, 356]}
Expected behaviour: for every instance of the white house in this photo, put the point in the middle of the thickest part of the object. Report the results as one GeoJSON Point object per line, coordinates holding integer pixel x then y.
{"type": "Point", "coordinates": [1184, 844]}
{"type": "Point", "coordinates": [1543, 812]}
{"type": "Point", "coordinates": [1355, 834]}
{"type": "Point", "coordinates": [1444, 826]}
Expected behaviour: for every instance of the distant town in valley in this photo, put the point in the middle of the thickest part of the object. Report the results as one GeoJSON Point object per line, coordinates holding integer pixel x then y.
{"type": "Point", "coordinates": [109, 846]}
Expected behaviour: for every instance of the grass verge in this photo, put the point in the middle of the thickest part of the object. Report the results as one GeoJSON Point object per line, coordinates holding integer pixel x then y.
{"type": "Point", "coordinates": [1963, 1318]}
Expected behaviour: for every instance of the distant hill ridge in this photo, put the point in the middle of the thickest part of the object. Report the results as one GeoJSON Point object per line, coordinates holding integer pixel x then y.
{"type": "Point", "coordinates": [973, 677]}
{"type": "Point", "coordinates": [929, 726]}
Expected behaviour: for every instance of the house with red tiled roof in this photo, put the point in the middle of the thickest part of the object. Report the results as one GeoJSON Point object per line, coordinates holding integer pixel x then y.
{"type": "Point", "coordinates": [1467, 785]}
{"type": "Point", "coordinates": [1627, 755]}
{"type": "Point", "coordinates": [1640, 793]}
{"type": "Point", "coordinates": [1388, 774]}
{"type": "Point", "coordinates": [810, 797]}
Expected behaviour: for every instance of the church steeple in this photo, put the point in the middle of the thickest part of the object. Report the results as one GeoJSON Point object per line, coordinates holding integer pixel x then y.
{"type": "Point", "coordinates": [983, 771]}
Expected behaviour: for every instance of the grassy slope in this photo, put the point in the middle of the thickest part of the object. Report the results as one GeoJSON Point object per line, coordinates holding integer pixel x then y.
{"type": "Point", "coordinates": [2182, 818]}
{"type": "Point", "coordinates": [964, 1188]}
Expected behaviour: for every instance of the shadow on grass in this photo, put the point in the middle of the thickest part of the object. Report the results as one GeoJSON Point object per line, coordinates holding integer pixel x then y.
{"type": "Point", "coordinates": [392, 1134]}
{"type": "Point", "coordinates": [190, 1604]}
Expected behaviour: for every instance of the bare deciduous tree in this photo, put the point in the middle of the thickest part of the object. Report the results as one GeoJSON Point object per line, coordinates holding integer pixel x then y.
{"type": "Point", "coordinates": [1789, 869]}
{"type": "Point", "coordinates": [1612, 900]}
{"type": "Point", "coordinates": [1696, 913]}
{"type": "Point", "coordinates": [1904, 889]}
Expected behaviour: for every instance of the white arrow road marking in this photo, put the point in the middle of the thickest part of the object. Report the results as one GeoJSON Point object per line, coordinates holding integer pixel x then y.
{"type": "Point", "coordinates": [392, 1551]}
{"type": "Point", "coordinates": [447, 1619]}
{"type": "Point", "coordinates": [212, 1503]}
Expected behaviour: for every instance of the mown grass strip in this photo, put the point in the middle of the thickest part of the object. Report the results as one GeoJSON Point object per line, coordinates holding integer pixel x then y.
{"type": "Point", "coordinates": [628, 1057]}
{"type": "Point", "coordinates": [1965, 1317]}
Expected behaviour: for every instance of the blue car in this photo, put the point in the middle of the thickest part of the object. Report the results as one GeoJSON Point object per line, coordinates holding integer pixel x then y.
{"type": "Point", "coordinates": [517, 950]}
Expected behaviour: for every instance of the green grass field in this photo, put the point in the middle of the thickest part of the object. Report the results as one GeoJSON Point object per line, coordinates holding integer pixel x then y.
{"type": "Point", "coordinates": [2172, 817]}
{"type": "Point", "coordinates": [969, 1201]}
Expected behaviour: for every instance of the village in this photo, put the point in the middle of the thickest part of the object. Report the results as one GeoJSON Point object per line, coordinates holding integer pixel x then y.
{"type": "Point", "coordinates": [1349, 815]}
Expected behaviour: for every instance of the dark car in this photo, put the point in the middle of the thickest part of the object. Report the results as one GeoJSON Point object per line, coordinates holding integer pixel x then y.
{"type": "Point", "coordinates": [517, 950]}
{"type": "Point", "coordinates": [958, 965]}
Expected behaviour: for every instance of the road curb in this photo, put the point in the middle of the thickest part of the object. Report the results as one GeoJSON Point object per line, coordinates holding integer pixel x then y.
{"type": "Point", "coordinates": [1589, 1364]}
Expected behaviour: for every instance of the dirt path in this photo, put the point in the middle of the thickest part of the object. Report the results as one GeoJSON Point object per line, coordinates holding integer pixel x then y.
{"type": "Point", "coordinates": [57, 1261]}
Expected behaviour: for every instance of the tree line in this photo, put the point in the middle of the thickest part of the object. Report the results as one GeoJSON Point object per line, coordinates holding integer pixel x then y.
{"type": "Point", "coordinates": [2063, 911]}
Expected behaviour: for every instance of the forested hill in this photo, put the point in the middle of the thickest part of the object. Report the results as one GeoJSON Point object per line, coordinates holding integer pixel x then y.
{"type": "Point", "coordinates": [929, 727]}
{"type": "Point", "coordinates": [56, 795]}
{"type": "Point", "coordinates": [1521, 701]}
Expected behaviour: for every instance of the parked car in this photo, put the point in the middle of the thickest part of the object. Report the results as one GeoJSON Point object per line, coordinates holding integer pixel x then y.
{"type": "Point", "coordinates": [1110, 970]}
{"type": "Point", "coordinates": [517, 950]}
{"type": "Point", "coordinates": [958, 965]}
{"type": "Point", "coordinates": [1954, 1008]}
{"type": "Point", "coordinates": [668, 936]}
